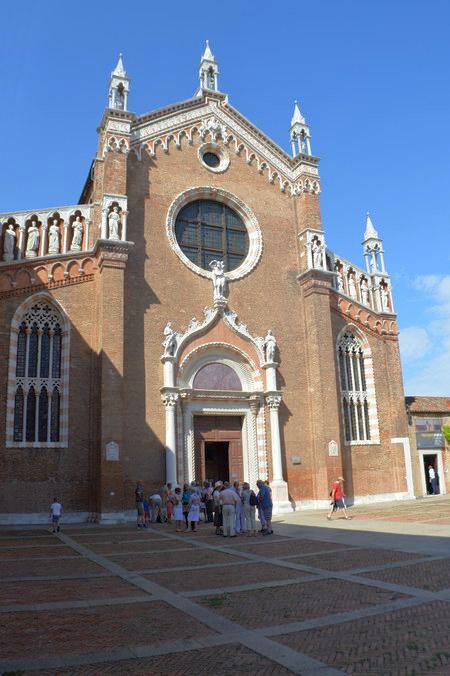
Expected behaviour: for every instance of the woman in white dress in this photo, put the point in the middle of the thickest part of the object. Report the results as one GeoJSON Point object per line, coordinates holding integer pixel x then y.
{"type": "Point", "coordinates": [178, 515]}
{"type": "Point", "coordinates": [194, 511]}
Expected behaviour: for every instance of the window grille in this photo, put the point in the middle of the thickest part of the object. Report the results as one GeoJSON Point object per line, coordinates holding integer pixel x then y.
{"type": "Point", "coordinates": [355, 404]}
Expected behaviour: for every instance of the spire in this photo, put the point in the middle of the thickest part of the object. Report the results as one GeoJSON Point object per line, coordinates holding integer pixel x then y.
{"type": "Point", "coordinates": [370, 232]}
{"type": "Point", "coordinates": [119, 86]}
{"type": "Point", "coordinates": [299, 133]}
{"type": "Point", "coordinates": [373, 249]}
{"type": "Point", "coordinates": [208, 71]}
{"type": "Point", "coordinates": [119, 70]}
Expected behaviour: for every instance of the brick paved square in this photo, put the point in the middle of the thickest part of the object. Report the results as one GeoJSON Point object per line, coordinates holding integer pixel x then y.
{"type": "Point", "coordinates": [35, 568]}
{"type": "Point", "coordinates": [27, 592]}
{"type": "Point", "coordinates": [430, 575]}
{"type": "Point", "coordinates": [172, 559]}
{"type": "Point", "coordinates": [227, 660]}
{"type": "Point", "coordinates": [41, 541]}
{"type": "Point", "coordinates": [352, 559]}
{"type": "Point", "coordinates": [409, 642]}
{"type": "Point", "coordinates": [105, 538]}
{"type": "Point", "coordinates": [36, 552]}
{"type": "Point", "coordinates": [296, 602]}
{"type": "Point", "coordinates": [75, 631]}
{"type": "Point", "coordinates": [272, 549]}
{"type": "Point", "coordinates": [228, 576]}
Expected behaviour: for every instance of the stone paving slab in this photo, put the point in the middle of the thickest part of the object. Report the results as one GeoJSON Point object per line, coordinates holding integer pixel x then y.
{"type": "Point", "coordinates": [99, 537]}
{"type": "Point", "coordinates": [36, 552]}
{"type": "Point", "coordinates": [27, 592]}
{"type": "Point", "coordinates": [212, 578]}
{"type": "Point", "coordinates": [149, 547]}
{"type": "Point", "coordinates": [273, 549]}
{"type": "Point", "coordinates": [410, 642]}
{"type": "Point", "coordinates": [72, 632]}
{"type": "Point", "coordinates": [41, 541]}
{"type": "Point", "coordinates": [227, 660]}
{"type": "Point", "coordinates": [429, 575]}
{"type": "Point", "coordinates": [296, 602]}
{"type": "Point", "coordinates": [352, 560]}
{"type": "Point", "coordinates": [53, 567]}
{"type": "Point", "coordinates": [172, 559]}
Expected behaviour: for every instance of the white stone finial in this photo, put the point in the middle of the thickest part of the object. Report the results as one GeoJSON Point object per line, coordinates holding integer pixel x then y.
{"type": "Point", "coordinates": [370, 232]}
{"type": "Point", "coordinates": [119, 70]}
{"type": "Point", "coordinates": [207, 54]}
{"type": "Point", "coordinates": [208, 71]}
{"type": "Point", "coordinates": [297, 116]}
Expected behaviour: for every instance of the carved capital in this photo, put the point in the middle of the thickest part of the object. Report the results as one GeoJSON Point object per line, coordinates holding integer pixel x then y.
{"type": "Point", "coordinates": [273, 401]}
{"type": "Point", "coordinates": [170, 399]}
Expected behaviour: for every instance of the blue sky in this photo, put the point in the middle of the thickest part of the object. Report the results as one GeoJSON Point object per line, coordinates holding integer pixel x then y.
{"type": "Point", "coordinates": [371, 79]}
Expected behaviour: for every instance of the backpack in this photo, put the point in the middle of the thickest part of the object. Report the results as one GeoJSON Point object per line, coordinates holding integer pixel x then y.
{"type": "Point", "coordinates": [253, 500]}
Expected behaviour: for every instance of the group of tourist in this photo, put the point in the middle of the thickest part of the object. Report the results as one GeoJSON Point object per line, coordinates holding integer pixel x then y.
{"type": "Point", "coordinates": [232, 508]}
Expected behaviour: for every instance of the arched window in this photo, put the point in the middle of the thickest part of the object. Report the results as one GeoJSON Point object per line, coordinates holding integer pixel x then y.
{"type": "Point", "coordinates": [207, 230]}
{"type": "Point", "coordinates": [36, 384]}
{"type": "Point", "coordinates": [352, 378]}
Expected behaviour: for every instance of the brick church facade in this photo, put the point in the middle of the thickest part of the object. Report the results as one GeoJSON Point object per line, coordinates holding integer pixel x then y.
{"type": "Point", "coordinates": [186, 320]}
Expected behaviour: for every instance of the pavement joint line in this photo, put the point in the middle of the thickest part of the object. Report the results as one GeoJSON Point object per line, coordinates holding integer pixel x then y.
{"type": "Point", "coordinates": [39, 558]}
{"type": "Point", "coordinates": [53, 578]}
{"type": "Point", "coordinates": [18, 547]}
{"type": "Point", "coordinates": [69, 605]}
{"type": "Point", "coordinates": [133, 552]}
{"type": "Point", "coordinates": [397, 564]}
{"type": "Point", "coordinates": [322, 553]}
{"type": "Point", "coordinates": [295, 661]}
{"type": "Point", "coordinates": [251, 587]}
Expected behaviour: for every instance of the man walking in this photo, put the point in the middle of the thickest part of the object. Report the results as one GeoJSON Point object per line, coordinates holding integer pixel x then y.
{"type": "Point", "coordinates": [228, 500]}
{"type": "Point", "coordinates": [337, 497]}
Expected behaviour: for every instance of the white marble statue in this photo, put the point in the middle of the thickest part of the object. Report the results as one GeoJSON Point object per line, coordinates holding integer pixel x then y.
{"type": "Point", "coordinates": [270, 345]}
{"type": "Point", "coordinates": [351, 286]}
{"type": "Point", "coordinates": [77, 237]}
{"type": "Point", "coordinates": [364, 292]}
{"type": "Point", "coordinates": [317, 257]}
{"type": "Point", "coordinates": [9, 243]}
{"type": "Point", "coordinates": [114, 222]}
{"type": "Point", "coordinates": [340, 281]}
{"type": "Point", "coordinates": [219, 280]}
{"type": "Point", "coordinates": [32, 241]}
{"type": "Point", "coordinates": [384, 298]}
{"type": "Point", "coordinates": [53, 237]}
{"type": "Point", "coordinates": [170, 340]}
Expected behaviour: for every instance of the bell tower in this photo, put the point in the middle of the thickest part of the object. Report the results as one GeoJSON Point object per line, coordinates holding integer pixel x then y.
{"type": "Point", "coordinates": [119, 86]}
{"type": "Point", "coordinates": [299, 134]}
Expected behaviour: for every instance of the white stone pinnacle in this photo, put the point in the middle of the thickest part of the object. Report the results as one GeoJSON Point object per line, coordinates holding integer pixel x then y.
{"type": "Point", "coordinates": [297, 116]}
{"type": "Point", "coordinates": [207, 54]}
{"type": "Point", "coordinates": [370, 232]}
{"type": "Point", "coordinates": [119, 70]}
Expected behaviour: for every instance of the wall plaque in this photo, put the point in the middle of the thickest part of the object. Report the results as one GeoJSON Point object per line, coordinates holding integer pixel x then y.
{"type": "Point", "coordinates": [112, 451]}
{"type": "Point", "coordinates": [333, 448]}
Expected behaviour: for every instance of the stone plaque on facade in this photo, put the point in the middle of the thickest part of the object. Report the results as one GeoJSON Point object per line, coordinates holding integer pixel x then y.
{"type": "Point", "coordinates": [333, 448]}
{"type": "Point", "coordinates": [112, 451]}
{"type": "Point", "coordinates": [296, 460]}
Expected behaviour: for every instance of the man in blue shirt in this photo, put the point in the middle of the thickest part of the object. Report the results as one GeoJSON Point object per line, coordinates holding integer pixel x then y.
{"type": "Point", "coordinates": [265, 505]}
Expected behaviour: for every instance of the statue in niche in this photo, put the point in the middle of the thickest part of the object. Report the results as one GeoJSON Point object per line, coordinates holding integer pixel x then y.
{"type": "Point", "coordinates": [219, 280]}
{"type": "Point", "coordinates": [32, 241]}
{"type": "Point", "coordinates": [113, 223]}
{"type": "Point", "coordinates": [364, 292]}
{"type": "Point", "coordinates": [384, 298]}
{"type": "Point", "coordinates": [270, 345]}
{"type": "Point", "coordinates": [77, 237]}
{"type": "Point", "coordinates": [339, 280]}
{"type": "Point", "coordinates": [53, 237]}
{"type": "Point", "coordinates": [316, 250]}
{"type": "Point", "coordinates": [9, 243]}
{"type": "Point", "coordinates": [351, 286]}
{"type": "Point", "coordinates": [170, 340]}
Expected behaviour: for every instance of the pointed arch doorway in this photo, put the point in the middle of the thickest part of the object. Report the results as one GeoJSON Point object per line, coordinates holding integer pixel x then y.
{"type": "Point", "coordinates": [218, 447]}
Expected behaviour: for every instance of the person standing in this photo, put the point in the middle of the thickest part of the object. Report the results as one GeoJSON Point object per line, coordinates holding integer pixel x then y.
{"type": "Point", "coordinates": [337, 497]}
{"type": "Point", "coordinates": [433, 480]}
{"type": "Point", "coordinates": [139, 497]}
{"type": "Point", "coordinates": [249, 504]}
{"type": "Point", "coordinates": [55, 514]}
{"type": "Point", "coordinates": [229, 499]}
{"type": "Point", "coordinates": [208, 500]}
{"type": "Point", "coordinates": [194, 511]}
{"type": "Point", "coordinates": [265, 505]}
{"type": "Point", "coordinates": [218, 521]}
{"type": "Point", "coordinates": [239, 526]}
{"type": "Point", "coordinates": [170, 502]}
{"type": "Point", "coordinates": [187, 492]}
{"type": "Point", "coordinates": [156, 505]}
{"type": "Point", "coordinates": [178, 510]}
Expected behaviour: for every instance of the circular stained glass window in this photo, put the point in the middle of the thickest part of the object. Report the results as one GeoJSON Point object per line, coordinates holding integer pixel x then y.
{"type": "Point", "coordinates": [207, 230]}
{"type": "Point", "coordinates": [211, 159]}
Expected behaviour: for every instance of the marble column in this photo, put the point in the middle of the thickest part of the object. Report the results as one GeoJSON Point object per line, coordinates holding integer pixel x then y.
{"type": "Point", "coordinates": [170, 402]}
{"type": "Point", "coordinates": [279, 486]}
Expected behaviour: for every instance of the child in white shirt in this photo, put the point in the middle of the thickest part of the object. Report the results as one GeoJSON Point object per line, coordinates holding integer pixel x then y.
{"type": "Point", "coordinates": [55, 513]}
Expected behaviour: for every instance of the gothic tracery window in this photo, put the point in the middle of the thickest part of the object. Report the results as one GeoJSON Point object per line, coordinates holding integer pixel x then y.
{"type": "Point", "coordinates": [352, 376]}
{"type": "Point", "coordinates": [38, 376]}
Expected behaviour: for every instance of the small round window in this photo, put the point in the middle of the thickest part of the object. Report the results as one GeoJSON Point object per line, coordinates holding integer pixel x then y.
{"type": "Point", "coordinates": [207, 230]}
{"type": "Point", "coordinates": [211, 159]}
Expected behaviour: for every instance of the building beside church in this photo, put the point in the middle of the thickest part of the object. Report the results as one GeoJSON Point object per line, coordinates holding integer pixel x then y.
{"type": "Point", "coordinates": [186, 320]}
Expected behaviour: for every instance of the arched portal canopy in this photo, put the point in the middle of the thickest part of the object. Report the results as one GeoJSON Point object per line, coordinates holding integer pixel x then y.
{"type": "Point", "coordinates": [217, 376]}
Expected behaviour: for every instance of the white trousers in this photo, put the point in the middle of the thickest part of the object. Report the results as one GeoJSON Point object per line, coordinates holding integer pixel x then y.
{"type": "Point", "coordinates": [229, 515]}
{"type": "Point", "coordinates": [250, 517]}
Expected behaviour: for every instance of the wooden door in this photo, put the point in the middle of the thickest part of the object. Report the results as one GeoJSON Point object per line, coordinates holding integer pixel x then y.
{"type": "Point", "coordinates": [219, 428]}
